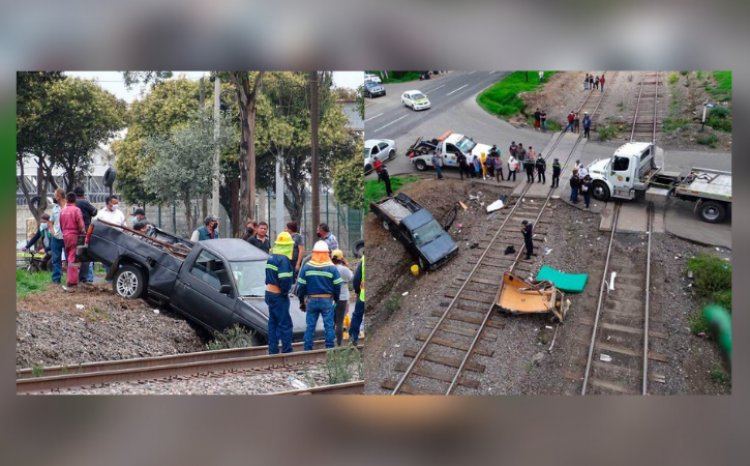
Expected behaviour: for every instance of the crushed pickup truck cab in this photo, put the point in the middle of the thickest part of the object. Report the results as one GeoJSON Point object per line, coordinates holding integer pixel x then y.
{"type": "Point", "coordinates": [416, 228]}
{"type": "Point", "coordinates": [519, 296]}
{"type": "Point", "coordinates": [215, 283]}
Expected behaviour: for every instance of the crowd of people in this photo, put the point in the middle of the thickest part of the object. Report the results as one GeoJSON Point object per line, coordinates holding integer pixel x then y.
{"type": "Point", "coordinates": [591, 82]}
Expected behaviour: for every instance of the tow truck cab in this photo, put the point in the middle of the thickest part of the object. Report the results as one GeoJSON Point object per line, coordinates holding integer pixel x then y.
{"type": "Point", "coordinates": [629, 170]}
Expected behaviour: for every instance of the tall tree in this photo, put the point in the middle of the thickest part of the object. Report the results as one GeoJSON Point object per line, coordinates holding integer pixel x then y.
{"type": "Point", "coordinates": [31, 131]}
{"type": "Point", "coordinates": [247, 96]}
{"type": "Point", "coordinates": [348, 178]}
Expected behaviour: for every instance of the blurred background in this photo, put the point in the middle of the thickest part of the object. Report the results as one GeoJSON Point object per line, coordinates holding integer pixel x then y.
{"type": "Point", "coordinates": [356, 35]}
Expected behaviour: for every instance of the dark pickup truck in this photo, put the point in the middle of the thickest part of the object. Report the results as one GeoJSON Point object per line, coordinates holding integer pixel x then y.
{"type": "Point", "coordinates": [215, 283]}
{"type": "Point", "coordinates": [416, 228]}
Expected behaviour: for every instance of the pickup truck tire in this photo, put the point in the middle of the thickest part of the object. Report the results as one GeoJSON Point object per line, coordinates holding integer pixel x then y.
{"type": "Point", "coordinates": [422, 264]}
{"type": "Point", "coordinates": [359, 248]}
{"type": "Point", "coordinates": [420, 165]}
{"type": "Point", "coordinates": [712, 211]}
{"type": "Point", "coordinates": [386, 227]}
{"type": "Point", "coordinates": [128, 282]}
{"type": "Point", "coordinates": [600, 191]}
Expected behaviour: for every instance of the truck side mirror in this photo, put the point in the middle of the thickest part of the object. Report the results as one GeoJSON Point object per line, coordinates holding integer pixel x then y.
{"type": "Point", "coordinates": [225, 289]}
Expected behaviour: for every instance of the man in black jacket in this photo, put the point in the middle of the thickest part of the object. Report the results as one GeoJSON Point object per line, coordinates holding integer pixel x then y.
{"type": "Point", "coordinates": [88, 211]}
{"type": "Point", "coordinates": [541, 168]}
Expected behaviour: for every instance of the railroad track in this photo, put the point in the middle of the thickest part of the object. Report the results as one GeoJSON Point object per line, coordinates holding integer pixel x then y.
{"type": "Point", "coordinates": [442, 361]}
{"type": "Point", "coordinates": [646, 121]}
{"type": "Point", "coordinates": [194, 364]}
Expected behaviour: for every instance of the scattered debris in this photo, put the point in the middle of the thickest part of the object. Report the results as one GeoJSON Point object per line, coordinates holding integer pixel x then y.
{"type": "Point", "coordinates": [537, 358]}
{"type": "Point", "coordinates": [547, 251]}
{"type": "Point", "coordinates": [497, 205]}
{"type": "Point", "coordinates": [605, 358]}
{"type": "Point", "coordinates": [297, 383]}
{"type": "Point", "coordinates": [463, 206]}
{"type": "Point", "coordinates": [79, 306]}
{"type": "Point", "coordinates": [612, 281]}
{"type": "Point", "coordinates": [156, 311]}
{"type": "Point", "coordinates": [404, 293]}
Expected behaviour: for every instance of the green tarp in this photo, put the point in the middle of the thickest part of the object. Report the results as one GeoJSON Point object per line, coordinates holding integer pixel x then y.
{"type": "Point", "coordinates": [567, 282]}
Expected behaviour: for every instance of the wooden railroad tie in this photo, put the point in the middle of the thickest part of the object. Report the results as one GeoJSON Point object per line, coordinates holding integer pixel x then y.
{"type": "Point", "coordinates": [435, 375]}
{"type": "Point", "coordinates": [446, 361]}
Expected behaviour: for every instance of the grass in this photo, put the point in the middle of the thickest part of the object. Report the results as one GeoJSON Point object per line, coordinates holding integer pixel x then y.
{"type": "Point", "coordinates": [698, 324]}
{"type": "Point", "coordinates": [344, 364]}
{"type": "Point", "coordinates": [37, 371]}
{"type": "Point", "coordinates": [723, 89]}
{"type": "Point", "coordinates": [607, 132]}
{"type": "Point", "coordinates": [719, 376]}
{"type": "Point", "coordinates": [673, 78]}
{"type": "Point", "coordinates": [501, 99]}
{"type": "Point", "coordinates": [234, 337]}
{"type": "Point", "coordinates": [31, 282]}
{"type": "Point", "coordinates": [392, 304]}
{"type": "Point", "coordinates": [672, 124]}
{"type": "Point", "coordinates": [720, 118]}
{"type": "Point", "coordinates": [375, 189]}
{"type": "Point", "coordinates": [712, 277]}
{"type": "Point", "coordinates": [397, 76]}
{"type": "Point", "coordinates": [96, 314]}
{"type": "Point", "coordinates": [707, 140]}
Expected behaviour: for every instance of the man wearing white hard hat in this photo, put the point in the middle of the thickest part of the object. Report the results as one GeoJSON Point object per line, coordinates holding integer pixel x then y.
{"type": "Point", "coordinates": [318, 288]}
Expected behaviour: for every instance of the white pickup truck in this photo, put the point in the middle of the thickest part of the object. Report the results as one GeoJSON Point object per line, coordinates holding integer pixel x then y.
{"type": "Point", "coordinates": [449, 145]}
{"type": "Point", "coordinates": [633, 169]}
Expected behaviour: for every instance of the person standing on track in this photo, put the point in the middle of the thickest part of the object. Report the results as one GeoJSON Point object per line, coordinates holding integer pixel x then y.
{"type": "Point", "coordinates": [529, 164]}
{"type": "Point", "coordinates": [337, 256]}
{"type": "Point", "coordinates": [543, 118]}
{"type": "Point", "coordinates": [512, 167]}
{"type": "Point", "coordinates": [359, 309]}
{"type": "Point", "coordinates": [586, 82]}
{"type": "Point", "coordinates": [577, 124]}
{"type": "Point", "coordinates": [279, 280]}
{"type": "Point", "coordinates": [586, 124]}
{"type": "Point", "coordinates": [571, 119]}
{"type": "Point", "coordinates": [318, 287]}
{"type": "Point", "coordinates": [556, 169]}
{"type": "Point", "coordinates": [596, 82]}
{"type": "Point", "coordinates": [537, 119]}
{"type": "Point", "coordinates": [541, 168]}
{"type": "Point", "coordinates": [528, 234]}
{"type": "Point", "coordinates": [601, 83]}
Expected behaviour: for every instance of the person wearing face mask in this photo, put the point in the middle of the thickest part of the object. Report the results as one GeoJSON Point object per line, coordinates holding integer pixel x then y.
{"type": "Point", "coordinates": [324, 233]}
{"type": "Point", "coordinates": [111, 212]}
{"type": "Point", "coordinates": [209, 230]}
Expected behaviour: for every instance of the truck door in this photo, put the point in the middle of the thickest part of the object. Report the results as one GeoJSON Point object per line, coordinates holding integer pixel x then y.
{"type": "Point", "coordinates": [451, 155]}
{"type": "Point", "coordinates": [197, 291]}
{"type": "Point", "coordinates": [621, 176]}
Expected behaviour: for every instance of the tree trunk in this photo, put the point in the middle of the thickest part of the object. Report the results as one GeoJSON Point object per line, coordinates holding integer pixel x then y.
{"type": "Point", "coordinates": [204, 206]}
{"type": "Point", "coordinates": [188, 213]}
{"type": "Point", "coordinates": [314, 117]}
{"type": "Point", "coordinates": [41, 188]}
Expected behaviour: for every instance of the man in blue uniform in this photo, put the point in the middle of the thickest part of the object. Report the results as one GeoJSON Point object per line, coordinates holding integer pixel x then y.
{"type": "Point", "coordinates": [359, 308]}
{"type": "Point", "coordinates": [320, 283]}
{"type": "Point", "coordinates": [279, 280]}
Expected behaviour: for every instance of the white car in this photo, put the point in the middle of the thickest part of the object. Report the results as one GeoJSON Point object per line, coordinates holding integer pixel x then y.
{"type": "Point", "coordinates": [378, 149]}
{"type": "Point", "coordinates": [416, 100]}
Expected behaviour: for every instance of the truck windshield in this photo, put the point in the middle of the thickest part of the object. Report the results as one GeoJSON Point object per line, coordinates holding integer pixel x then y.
{"type": "Point", "coordinates": [427, 232]}
{"type": "Point", "coordinates": [466, 145]}
{"type": "Point", "coordinates": [250, 277]}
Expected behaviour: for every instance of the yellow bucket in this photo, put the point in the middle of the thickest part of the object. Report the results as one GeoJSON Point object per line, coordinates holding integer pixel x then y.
{"type": "Point", "coordinates": [415, 270]}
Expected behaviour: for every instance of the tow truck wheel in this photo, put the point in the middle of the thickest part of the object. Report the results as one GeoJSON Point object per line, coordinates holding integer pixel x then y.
{"type": "Point", "coordinates": [420, 165]}
{"type": "Point", "coordinates": [712, 212]}
{"type": "Point", "coordinates": [601, 191]}
{"type": "Point", "coordinates": [128, 282]}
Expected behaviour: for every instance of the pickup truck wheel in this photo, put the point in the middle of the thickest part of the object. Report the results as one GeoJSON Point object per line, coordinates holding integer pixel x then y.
{"type": "Point", "coordinates": [600, 191]}
{"type": "Point", "coordinates": [420, 165]}
{"type": "Point", "coordinates": [712, 212]}
{"type": "Point", "coordinates": [422, 264]}
{"type": "Point", "coordinates": [128, 282]}
{"type": "Point", "coordinates": [386, 226]}
{"type": "Point", "coordinates": [359, 248]}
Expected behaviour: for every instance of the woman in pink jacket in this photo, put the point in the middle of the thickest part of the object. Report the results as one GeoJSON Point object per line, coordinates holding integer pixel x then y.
{"type": "Point", "coordinates": [71, 223]}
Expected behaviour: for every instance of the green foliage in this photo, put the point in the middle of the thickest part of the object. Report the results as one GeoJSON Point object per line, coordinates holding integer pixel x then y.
{"type": "Point", "coordinates": [719, 376]}
{"type": "Point", "coordinates": [709, 139]}
{"type": "Point", "coordinates": [607, 132]}
{"type": "Point", "coordinates": [699, 75]}
{"type": "Point", "coordinates": [397, 76]}
{"type": "Point", "coordinates": [720, 118]}
{"type": "Point", "coordinates": [343, 364]}
{"type": "Point", "coordinates": [392, 304]}
{"type": "Point", "coordinates": [96, 314]}
{"type": "Point", "coordinates": [711, 274]}
{"type": "Point", "coordinates": [698, 323]}
{"type": "Point", "coordinates": [375, 189]}
{"type": "Point", "coordinates": [348, 178]}
{"type": "Point", "coordinates": [673, 78]}
{"type": "Point", "coordinates": [672, 124]}
{"type": "Point", "coordinates": [723, 89]}
{"type": "Point", "coordinates": [502, 100]}
{"type": "Point", "coordinates": [236, 336]}
{"type": "Point", "coordinates": [37, 370]}
{"type": "Point", "coordinates": [31, 282]}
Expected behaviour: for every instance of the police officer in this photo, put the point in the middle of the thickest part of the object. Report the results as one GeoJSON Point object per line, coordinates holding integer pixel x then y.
{"type": "Point", "coordinates": [279, 280]}
{"type": "Point", "coordinates": [541, 168]}
{"type": "Point", "coordinates": [318, 288]}
{"type": "Point", "coordinates": [527, 241]}
{"type": "Point", "coordinates": [359, 309]}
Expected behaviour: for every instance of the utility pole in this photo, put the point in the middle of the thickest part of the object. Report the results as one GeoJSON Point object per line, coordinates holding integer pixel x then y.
{"type": "Point", "coordinates": [314, 110]}
{"type": "Point", "coordinates": [217, 150]}
{"type": "Point", "coordinates": [279, 193]}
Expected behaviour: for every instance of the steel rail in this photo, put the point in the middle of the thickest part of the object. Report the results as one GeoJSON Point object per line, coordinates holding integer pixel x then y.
{"type": "Point", "coordinates": [635, 116]}
{"type": "Point", "coordinates": [356, 387]}
{"type": "Point", "coordinates": [169, 370]}
{"type": "Point", "coordinates": [615, 218]}
{"type": "Point", "coordinates": [133, 363]}
{"type": "Point", "coordinates": [656, 109]}
{"type": "Point", "coordinates": [650, 221]}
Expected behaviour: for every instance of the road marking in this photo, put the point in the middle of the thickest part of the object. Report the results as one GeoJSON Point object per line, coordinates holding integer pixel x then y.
{"type": "Point", "coordinates": [456, 90]}
{"type": "Point", "coordinates": [433, 90]}
{"type": "Point", "coordinates": [389, 124]}
{"type": "Point", "coordinates": [375, 116]}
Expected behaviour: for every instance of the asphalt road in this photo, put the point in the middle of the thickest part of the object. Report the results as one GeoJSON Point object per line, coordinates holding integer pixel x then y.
{"type": "Point", "coordinates": [454, 107]}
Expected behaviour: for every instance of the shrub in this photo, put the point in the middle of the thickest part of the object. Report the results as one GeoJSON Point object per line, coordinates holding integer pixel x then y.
{"type": "Point", "coordinates": [501, 99]}
{"type": "Point", "coordinates": [698, 323]}
{"type": "Point", "coordinates": [708, 140]}
{"type": "Point", "coordinates": [343, 363]}
{"type": "Point", "coordinates": [234, 337]}
{"type": "Point", "coordinates": [711, 274]}
{"type": "Point", "coordinates": [672, 124]}
{"type": "Point", "coordinates": [723, 89]}
{"type": "Point", "coordinates": [720, 118]}
{"type": "Point", "coordinates": [606, 132]}
{"type": "Point", "coordinates": [723, 298]}
{"type": "Point", "coordinates": [392, 303]}
{"type": "Point", "coordinates": [718, 376]}
{"type": "Point", "coordinates": [673, 78]}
